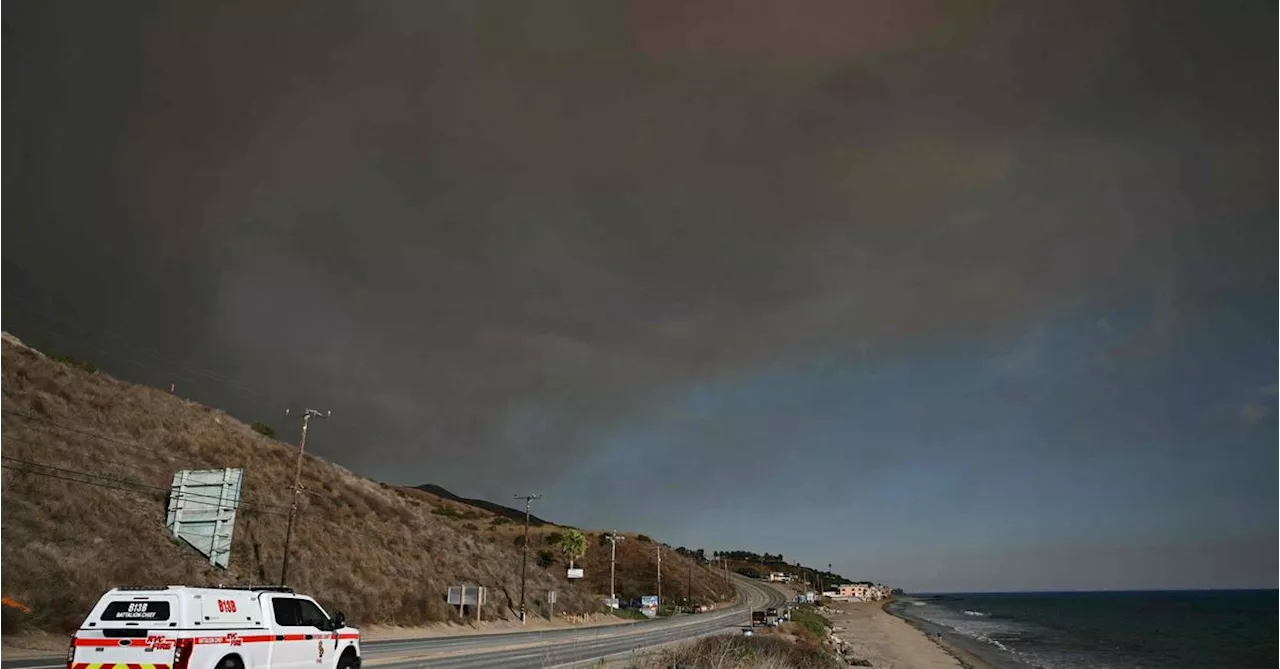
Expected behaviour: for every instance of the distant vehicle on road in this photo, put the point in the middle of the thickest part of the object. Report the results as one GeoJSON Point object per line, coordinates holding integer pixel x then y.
{"type": "Point", "coordinates": [181, 627]}
{"type": "Point", "coordinates": [758, 618]}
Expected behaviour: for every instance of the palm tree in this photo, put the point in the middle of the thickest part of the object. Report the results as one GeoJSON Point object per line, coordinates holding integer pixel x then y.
{"type": "Point", "coordinates": [573, 545]}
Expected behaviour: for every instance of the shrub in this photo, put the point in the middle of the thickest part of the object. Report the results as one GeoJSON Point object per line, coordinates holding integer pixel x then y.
{"type": "Point", "coordinates": [753, 652]}
{"type": "Point", "coordinates": [644, 539]}
{"type": "Point", "coordinates": [14, 622]}
{"type": "Point", "coordinates": [630, 613]}
{"type": "Point", "coordinates": [75, 362]}
{"type": "Point", "coordinates": [546, 558]}
{"type": "Point", "coordinates": [811, 620]}
{"type": "Point", "coordinates": [264, 430]}
{"type": "Point", "coordinates": [554, 538]}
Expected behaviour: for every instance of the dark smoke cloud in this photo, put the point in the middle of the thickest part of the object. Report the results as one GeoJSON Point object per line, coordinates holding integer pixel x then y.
{"type": "Point", "coordinates": [482, 234]}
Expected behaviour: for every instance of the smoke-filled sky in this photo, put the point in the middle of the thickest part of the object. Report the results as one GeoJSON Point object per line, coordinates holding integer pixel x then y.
{"type": "Point", "coordinates": [951, 295]}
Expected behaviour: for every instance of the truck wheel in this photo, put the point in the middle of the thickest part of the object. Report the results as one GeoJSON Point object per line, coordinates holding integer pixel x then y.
{"type": "Point", "coordinates": [347, 661]}
{"type": "Point", "coordinates": [231, 662]}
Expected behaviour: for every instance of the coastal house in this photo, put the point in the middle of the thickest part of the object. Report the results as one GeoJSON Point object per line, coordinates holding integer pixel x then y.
{"type": "Point", "coordinates": [864, 591]}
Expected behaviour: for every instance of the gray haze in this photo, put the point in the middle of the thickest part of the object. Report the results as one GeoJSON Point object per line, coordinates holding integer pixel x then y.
{"type": "Point", "coordinates": [507, 243]}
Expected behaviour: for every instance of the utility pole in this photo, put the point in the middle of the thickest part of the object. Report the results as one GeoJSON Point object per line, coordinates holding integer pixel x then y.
{"type": "Point", "coordinates": [524, 562]}
{"type": "Point", "coordinates": [689, 592]}
{"type": "Point", "coordinates": [613, 538]}
{"type": "Point", "coordinates": [659, 577]}
{"type": "Point", "coordinates": [297, 488]}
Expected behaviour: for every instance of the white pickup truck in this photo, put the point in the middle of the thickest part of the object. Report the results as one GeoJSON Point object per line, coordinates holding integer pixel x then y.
{"type": "Point", "coordinates": [181, 627]}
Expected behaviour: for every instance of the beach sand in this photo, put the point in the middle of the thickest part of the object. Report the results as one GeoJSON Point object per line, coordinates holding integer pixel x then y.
{"type": "Point", "coordinates": [890, 642]}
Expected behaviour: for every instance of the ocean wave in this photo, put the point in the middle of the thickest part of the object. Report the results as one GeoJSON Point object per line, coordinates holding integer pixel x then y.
{"type": "Point", "coordinates": [976, 613]}
{"type": "Point", "coordinates": [997, 644]}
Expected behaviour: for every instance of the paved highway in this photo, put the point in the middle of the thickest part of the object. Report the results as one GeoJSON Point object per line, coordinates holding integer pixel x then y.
{"type": "Point", "coordinates": [531, 650]}
{"type": "Point", "coordinates": [537, 649]}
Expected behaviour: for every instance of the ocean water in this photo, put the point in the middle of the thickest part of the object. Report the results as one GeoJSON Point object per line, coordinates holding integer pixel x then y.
{"type": "Point", "coordinates": [1231, 629]}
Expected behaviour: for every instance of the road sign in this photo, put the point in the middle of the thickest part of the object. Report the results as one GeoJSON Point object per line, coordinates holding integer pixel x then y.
{"type": "Point", "coordinates": [551, 596]}
{"type": "Point", "coordinates": [468, 595]}
{"type": "Point", "coordinates": [202, 510]}
{"type": "Point", "coordinates": [575, 573]}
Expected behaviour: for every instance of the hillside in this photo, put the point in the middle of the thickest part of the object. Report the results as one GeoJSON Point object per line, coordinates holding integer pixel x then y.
{"type": "Point", "coordinates": [87, 463]}
{"type": "Point", "coordinates": [760, 565]}
{"type": "Point", "coordinates": [483, 505]}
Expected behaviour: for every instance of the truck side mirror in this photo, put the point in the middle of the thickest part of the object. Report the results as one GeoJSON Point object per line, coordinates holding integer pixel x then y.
{"type": "Point", "coordinates": [338, 621]}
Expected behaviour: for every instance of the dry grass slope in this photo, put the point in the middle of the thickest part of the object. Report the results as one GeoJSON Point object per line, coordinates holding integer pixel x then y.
{"type": "Point", "coordinates": [739, 652]}
{"type": "Point", "coordinates": [380, 553]}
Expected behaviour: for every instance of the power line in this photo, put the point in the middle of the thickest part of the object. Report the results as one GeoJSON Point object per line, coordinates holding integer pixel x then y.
{"type": "Point", "coordinates": [246, 504]}
{"type": "Point", "coordinates": [136, 447]}
{"type": "Point", "coordinates": [74, 480]}
{"type": "Point", "coordinates": [246, 498]}
{"type": "Point", "coordinates": [142, 488]}
{"type": "Point", "coordinates": [140, 448]}
{"type": "Point", "coordinates": [80, 473]}
{"type": "Point", "coordinates": [152, 493]}
{"type": "Point", "coordinates": [129, 487]}
{"type": "Point", "coordinates": [130, 446]}
{"type": "Point", "coordinates": [136, 484]}
{"type": "Point", "coordinates": [155, 497]}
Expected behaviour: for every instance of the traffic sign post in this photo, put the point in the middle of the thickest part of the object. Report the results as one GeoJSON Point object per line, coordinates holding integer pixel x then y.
{"type": "Point", "coordinates": [463, 595]}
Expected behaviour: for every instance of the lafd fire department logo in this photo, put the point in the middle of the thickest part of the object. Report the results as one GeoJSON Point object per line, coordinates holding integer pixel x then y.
{"type": "Point", "coordinates": [234, 639]}
{"type": "Point", "coordinates": [320, 647]}
{"type": "Point", "coordinates": [159, 642]}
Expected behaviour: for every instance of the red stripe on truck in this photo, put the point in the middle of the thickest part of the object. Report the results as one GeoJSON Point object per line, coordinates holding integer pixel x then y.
{"type": "Point", "coordinates": [204, 640]}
